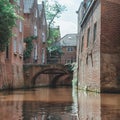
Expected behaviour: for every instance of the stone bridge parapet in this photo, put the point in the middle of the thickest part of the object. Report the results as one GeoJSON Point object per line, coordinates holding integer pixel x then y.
{"type": "Point", "coordinates": [32, 71]}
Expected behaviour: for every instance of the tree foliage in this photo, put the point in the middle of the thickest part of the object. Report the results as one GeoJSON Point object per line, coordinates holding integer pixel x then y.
{"type": "Point", "coordinates": [53, 10]}
{"type": "Point", "coordinates": [8, 19]}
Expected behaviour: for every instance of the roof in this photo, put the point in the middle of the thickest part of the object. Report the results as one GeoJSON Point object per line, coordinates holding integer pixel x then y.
{"type": "Point", "coordinates": [69, 40]}
{"type": "Point", "coordinates": [28, 5]}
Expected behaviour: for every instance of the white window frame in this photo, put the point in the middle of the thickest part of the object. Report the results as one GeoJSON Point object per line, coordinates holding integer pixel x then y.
{"type": "Point", "coordinates": [35, 30]}
{"type": "Point", "coordinates": [43, 55]}
{"type": "Point", "coordinates": [35, 52]}
{"type": "Point", "coordinates": [20, 26]}
{"type": "Point", "coordinates": [36, 13]}
{"type": "Point", "coordinates": [43, 37]}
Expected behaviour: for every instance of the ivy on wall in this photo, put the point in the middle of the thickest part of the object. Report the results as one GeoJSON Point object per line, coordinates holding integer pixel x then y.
{"type": "Point", "coordinates": [29, 46]}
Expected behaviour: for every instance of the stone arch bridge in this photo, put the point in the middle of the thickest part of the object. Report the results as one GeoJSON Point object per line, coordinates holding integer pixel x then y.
{"type": "Point", "coordinates": [54, 71]}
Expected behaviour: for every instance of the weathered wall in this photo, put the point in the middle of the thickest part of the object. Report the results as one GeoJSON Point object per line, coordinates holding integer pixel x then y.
{"type": "Point", "coordinates": [89, 56]}
{"type": "Point", "coordinates": [110, 45]}
{"type": "Point", "coordinates": [11, 74]}
{"type": "Point", "coordinates": [11, 62]}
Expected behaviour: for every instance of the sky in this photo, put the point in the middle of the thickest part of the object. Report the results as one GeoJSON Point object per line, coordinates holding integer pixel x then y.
{"type": "Point", "coordinates": [68, 19]}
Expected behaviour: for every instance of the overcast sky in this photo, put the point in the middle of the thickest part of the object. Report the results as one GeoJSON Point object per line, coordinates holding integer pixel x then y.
{"type": "Point", "coordinates": [68, 19]}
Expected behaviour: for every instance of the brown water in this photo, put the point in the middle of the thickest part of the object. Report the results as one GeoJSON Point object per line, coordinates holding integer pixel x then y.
{"type": "Point", "coordinates": [58, 104]}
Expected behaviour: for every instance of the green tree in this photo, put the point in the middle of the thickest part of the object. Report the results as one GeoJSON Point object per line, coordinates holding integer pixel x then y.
{"type": "Point", "coordinates": [8, 19]}
{"type": "Point", "coordinates": [53, 10]}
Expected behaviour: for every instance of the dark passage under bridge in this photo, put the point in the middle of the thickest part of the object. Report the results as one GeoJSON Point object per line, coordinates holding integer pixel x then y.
{"type": "Point", "coordinates": [57, 73]}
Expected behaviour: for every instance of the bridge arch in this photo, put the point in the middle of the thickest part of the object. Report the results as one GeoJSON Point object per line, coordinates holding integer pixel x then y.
{"type": "Point", "coordinates": [64, 78]}
{"type": "Point", "coordinates": [33, 71]}
{"type": "Point", "coordinates": [54, 71]}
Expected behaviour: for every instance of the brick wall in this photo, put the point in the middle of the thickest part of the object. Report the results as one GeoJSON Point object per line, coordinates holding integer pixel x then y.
{"type": "Point", "coordinates": [32, 19]}
{"type": "Point", "coordinates": [110, 45]}
{"type": "Point", "coordinates": [11, 64]}
{"type": "Point", "coordinates": [68, 55]}
{"type": "Point", "coordinates": [89, 55]}
{"type": "Point", "coordinates": [27, 25]}
{"type": "Point", "coordinates": [98, 61]}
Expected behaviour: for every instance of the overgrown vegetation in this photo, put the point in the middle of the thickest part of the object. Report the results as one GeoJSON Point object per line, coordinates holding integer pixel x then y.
{"type": "Point", "coordinates": [29, 46]}
{"type": "Point", "coordinates": [8, 19]}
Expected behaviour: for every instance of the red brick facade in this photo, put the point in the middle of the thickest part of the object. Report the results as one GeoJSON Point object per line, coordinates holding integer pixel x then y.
{"type": "Point", "coordinates": [68, 56]}
{"type": "Point", "coordinates": [110, 45]}
{"type": "Point", "coordinates": [35, 25]}
{"type": "Point", "coordinates": [98, 50]}
{"type": "Point", "coordinates": [11, 61]}
{"type": "Point", "coordinates": [68, 45]}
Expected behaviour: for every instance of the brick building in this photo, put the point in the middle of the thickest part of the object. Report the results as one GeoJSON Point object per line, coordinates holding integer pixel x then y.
{"type": "Point", "coordinates": [68, 45]}
{"type": "Point", "coordinates": [11, 61]}
{"type": "Point", "coordinates": [35, 25]}
{"type": "Point", "coordinates": [99, 45]}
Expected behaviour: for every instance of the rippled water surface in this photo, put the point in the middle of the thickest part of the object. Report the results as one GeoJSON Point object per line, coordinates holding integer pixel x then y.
{"type": "Point", "coordinates": [58, 104]}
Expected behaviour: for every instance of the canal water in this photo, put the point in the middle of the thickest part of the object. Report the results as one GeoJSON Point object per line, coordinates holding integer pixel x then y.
{"type": "Point", "coordinates": [58, 104]}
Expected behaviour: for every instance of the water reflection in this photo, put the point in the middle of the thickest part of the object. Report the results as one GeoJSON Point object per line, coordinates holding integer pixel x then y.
{"type": "Point", "coordinates": [89, 106]}
{"type": "Point", "coordinates": [58, 104]}
{"type": "Point", "coordinates": [94, 106]}
{"type": "Point", "coordinates": [110, 106]}
{"type": "Point", "coordinates": [38, 104]}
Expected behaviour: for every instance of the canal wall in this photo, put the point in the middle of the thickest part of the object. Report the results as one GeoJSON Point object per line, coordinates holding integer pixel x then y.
{"type": "Point", "coordinates": [99, 50]}
{"type": "Point", "coordinates": [11, 74]}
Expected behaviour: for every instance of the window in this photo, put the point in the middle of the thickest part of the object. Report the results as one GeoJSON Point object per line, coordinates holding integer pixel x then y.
{"type": "Point", "coordinates": [20, 48]}
{"type": "Point", "coordinates": [36, 13]}
{"type": "Point", "coordinates": [43, 55]}
{"type": "Point", "coordinates": [43, 21]}
{"type": "Point", "coordinates": [95, 32]}
{"type": "Point", "coordinates": [7, 52]}
{"type": "Point", "coordinates": [15, 46]}
{"type": "Point", "coordinates": [43, 37]}
{"type": "Point", "coordinates": [69, 49]}
{"type": "Point", "coordinates": [82, 43]}
{"type": "Point", "coordinates": [20, 26]}
{"type": "Point", "coordinates": [35, 53]}
{"type": "Point", "coordinates": [35, 30]}
{"type": "Point", "coordinates": [88, 36]}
